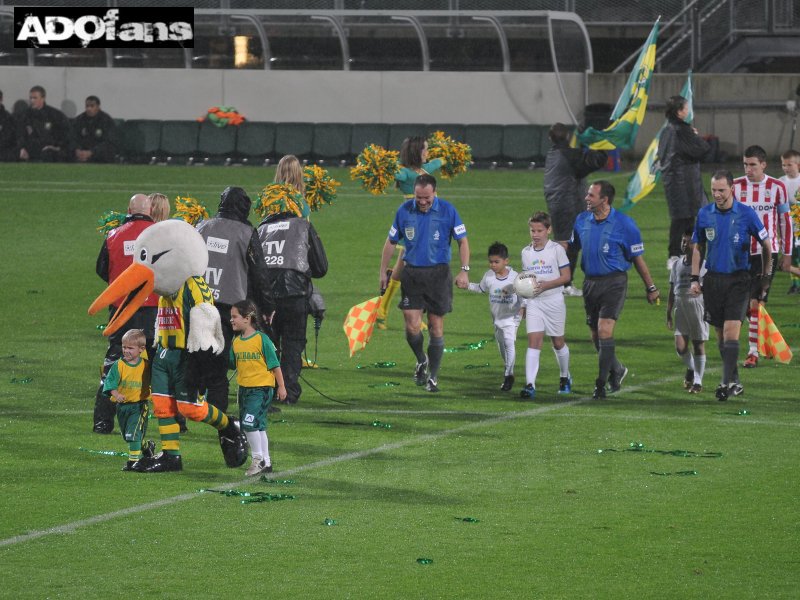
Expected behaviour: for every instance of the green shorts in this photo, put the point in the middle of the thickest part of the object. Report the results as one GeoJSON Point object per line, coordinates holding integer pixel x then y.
{"type": "Point", "coordinates": [132, 419]}
{"type": "Point", "coordinates": [253, 404]}
{"type": "Point", "coordinates": [167, 376]}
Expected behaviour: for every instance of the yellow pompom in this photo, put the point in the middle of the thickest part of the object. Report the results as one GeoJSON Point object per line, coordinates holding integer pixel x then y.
{"type": "Point", "coordinates": [376, 168]}
{"type": "Point", "coordinates": [320, 187]}
{"type": "Point", "coordinates": [457, 156]}
{"type": "Point", "coordinates": [280, 198]}
{"type": "Point", "coordinates": [190, 210]}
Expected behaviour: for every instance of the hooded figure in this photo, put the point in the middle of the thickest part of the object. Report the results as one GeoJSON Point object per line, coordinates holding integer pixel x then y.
{"type": "Point", "coordinates": [236, 270]}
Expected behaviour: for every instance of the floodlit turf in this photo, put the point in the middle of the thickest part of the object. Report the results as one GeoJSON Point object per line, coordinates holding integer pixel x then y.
{"type": "Point", "coordinates": [547, 514]}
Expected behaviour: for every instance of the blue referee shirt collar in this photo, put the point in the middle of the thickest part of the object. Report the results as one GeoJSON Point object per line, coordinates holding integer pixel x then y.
{"type": "Point", "coordinates": [434, 206]}
{"type": "Point", "coordinates": [610, 217]}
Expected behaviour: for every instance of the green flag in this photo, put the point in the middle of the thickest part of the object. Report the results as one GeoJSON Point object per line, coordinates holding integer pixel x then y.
{"type": "Point", "coordinates": [631, 106]}
{"type": "Point", "coordinates": [647, 174]}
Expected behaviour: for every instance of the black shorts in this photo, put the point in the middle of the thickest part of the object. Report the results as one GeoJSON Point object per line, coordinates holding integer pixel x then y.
{"type": "Point", "coordinates": [604, 297]}
{"type": "Point", "coordinates": [756, 268]}
{"type": "Point", "coordinates": [726, 297]}
{"type": "Point", "coordinates": [562, 219]}
{"type": "Point", "coordinates": [427, 288]}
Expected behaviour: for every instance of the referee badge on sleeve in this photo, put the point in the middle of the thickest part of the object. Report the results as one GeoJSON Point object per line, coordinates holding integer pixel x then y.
{"type": "Point", "coordinates": [710, 235]}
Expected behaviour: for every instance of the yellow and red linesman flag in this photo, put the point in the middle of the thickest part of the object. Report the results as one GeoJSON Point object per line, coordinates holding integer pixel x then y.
{"type": "Point", "coordinates": [770, 341]}
{"type": "Point", "coordinates": [360, 322]}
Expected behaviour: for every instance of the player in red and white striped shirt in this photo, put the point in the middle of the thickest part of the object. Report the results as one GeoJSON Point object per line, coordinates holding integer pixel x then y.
{"type": "Point", "coordinates": [767, 196]}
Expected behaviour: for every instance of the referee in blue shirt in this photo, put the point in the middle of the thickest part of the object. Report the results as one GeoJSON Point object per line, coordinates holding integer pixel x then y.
{"type": "Point", "coordinates": [610, 242]}
{"type": "Point", "coordinates": [427, 224]}
{"type": "Point", "coordinates": [722, 233]}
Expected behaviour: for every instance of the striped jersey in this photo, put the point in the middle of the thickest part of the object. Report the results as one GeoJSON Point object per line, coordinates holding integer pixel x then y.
{"type": "Point", "coordinates": [173, 312]}
{"type": "Point", "coordinates": [132, 380]}
{"type": "Point", "coordinates": [254, 359]}
{"type": "Point", "coordinates": [768, 198]}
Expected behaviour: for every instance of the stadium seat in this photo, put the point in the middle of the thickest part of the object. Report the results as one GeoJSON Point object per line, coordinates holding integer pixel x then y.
{"type": "Point", "coordinates": [255, 142]}
{"type": "Point", "coordinates": [294, 138]}
{"type": "Point", "coordinates": [397, 133]}
{"type": "Point", "coordinates": [139, 140]}
{"type": "Point", "coordinates": [364, 134]}
{"type": "Point", "coordinates": [216, 144]}
{"type": "Point", "coordinates": [179, 140]}
{"type": "Point", "coordinates": [486, 142]}
{"type": "Point", "coordinates": [332, 141]}
{"type": "Point", "coordinates": [522, 143]}
{"type": "Point", "coordinates": [454, 131]}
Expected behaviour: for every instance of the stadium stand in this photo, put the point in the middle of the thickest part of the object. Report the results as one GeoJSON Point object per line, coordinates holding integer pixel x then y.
{"type": "Point", "coordinates": [255, 142]}
{"type": "Point", "coordinates": [178, 141]}
{"type": "Point", "coordinates": [215, 144]}
{"type": "Point", "coordinates": [294, 138]}
{"type": "Point", "coordinates": [332, 141]}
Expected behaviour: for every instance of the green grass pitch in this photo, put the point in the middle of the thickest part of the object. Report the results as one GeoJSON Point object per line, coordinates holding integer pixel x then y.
{"type": "Point", "coordinates": [547, 514]}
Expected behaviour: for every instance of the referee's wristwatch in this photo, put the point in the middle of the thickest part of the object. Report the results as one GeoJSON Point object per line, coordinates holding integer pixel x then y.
{"type": "Point", "coordinates": [465, 268]}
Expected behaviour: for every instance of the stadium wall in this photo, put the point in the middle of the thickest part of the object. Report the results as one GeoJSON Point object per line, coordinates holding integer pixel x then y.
{"type": "Point", "coordinates": [741, 109]}
{"type": "Point", "coordinates": [310, 96]}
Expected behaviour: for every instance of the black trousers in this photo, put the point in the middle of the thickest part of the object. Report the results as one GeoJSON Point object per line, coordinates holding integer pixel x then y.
{"type": "Point", "coordinates": [676, 230]}
{"type": "Point", "coordinates": [289, 336]}
{"type": "Point", "coordinates": [145, 319]}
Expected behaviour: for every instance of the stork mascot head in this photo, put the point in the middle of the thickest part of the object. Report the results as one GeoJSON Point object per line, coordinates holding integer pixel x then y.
{"type": "Point", "coordinates": [164, 257]}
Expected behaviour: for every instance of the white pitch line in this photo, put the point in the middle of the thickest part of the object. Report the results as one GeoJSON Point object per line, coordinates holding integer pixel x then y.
{"type": "Point", "coordinates": [70, 527]}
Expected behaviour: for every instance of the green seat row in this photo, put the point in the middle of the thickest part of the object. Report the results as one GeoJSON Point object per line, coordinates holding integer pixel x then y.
{"type": "Point", "coordinates": [143, 140]}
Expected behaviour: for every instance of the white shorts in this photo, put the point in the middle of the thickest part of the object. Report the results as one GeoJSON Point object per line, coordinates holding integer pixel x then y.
{"type": "Point", "coordinates": [688, 318]}
{"type": "Point", "coordinates": [546, 313]}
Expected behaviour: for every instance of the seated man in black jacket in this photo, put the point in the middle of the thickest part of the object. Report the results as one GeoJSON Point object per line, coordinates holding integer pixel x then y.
{"type": "Point", "coordinates": [94, 134]}
{"type": "Point", "coordinates": [43, 131]}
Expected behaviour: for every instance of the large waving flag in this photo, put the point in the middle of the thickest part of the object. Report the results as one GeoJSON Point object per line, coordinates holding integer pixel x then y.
{"type": "Point", "coordinates": [770, 341]}
{"type": "Point", "coordinates": [631, 106]}
{"type": "Point", "coordinates": [359, 323]}
{"type": "Point", "coordinates": [647, 174]}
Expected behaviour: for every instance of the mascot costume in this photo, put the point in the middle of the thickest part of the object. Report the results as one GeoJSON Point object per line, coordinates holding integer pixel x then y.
{"type": "Point", "coordinates": [170, 258]}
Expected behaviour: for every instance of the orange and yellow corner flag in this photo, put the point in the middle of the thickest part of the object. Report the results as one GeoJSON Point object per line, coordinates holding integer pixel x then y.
{"type": "Point", "coordinates": [770, 341]}
{"type": "Point", "coordinates": [359, 324]}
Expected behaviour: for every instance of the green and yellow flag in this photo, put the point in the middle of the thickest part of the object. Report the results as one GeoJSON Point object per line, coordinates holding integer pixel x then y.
{"type": "Point", "coordinates": [632, 104]}
{"type": "Point", "coordinates": [648, 174]}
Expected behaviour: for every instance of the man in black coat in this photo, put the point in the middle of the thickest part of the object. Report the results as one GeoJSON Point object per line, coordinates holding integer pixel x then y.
{"type": "Point", "coordinates": [94, 134]}
{"type": "Point", "coordinates": [236, 270]}
{"type": "Point", "coordinates": [565, 172]}
{"type": "Point", "coordinates": [680, 149]}
{"type": "Point", "coordinates": [8, 134]}
{"type": "Point", "coordinates": [43, 131]}
{"type": "Point", "coordinates": [294, 254]}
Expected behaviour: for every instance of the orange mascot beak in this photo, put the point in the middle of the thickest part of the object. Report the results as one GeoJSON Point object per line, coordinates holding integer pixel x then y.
{"type": "Point", "coordinates": [135, 284]}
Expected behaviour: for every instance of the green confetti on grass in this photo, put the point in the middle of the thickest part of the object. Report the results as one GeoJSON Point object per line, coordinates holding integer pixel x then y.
{"type": "Point", "coordinates": [467, 519]}
{"type": "Point", "coordinates": [381, 424]}
{"type": "Point", "coordinates": [21, 379]}
{"type": "Point", "coordinates": [424, 561]}
{"type": "Point", "coordinates": [465, 347]}
{"type": "Point", "coordinates": [680, 473]}
{"type": "Point", "coordinates": [388, 384]}
{"type": "Point", "coordinates": [467, 367]}
{"type": "Point", "coordinates": [103, 452]}
{"type": "Point", "coordinates": [386, 364]}
{"type": "Point", "coordinates": [640, 447]}
{"type": "Point", "coordinates": [329, 522]}
{"type": "Point", "coordinates": [266, 479]}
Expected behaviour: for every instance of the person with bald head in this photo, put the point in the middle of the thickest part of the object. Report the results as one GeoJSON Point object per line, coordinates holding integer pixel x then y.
{"type": "Point", "coordinates": [115, 256]}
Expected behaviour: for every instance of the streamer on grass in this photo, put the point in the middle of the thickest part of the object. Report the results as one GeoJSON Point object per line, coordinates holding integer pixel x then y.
{"type": "Point", "coordinates": [468, 367]}
{"type": "Point", "coordinates": [640, 447]}
{"type": "Point", "coordinates": [21, 379]}
{"type": "Point", "coordinates": [382, 425]}
{"type": "Point", "coordinates": [320, 187]}
{"type": "Point", "coordinates": [467, 519]}
{"type": "Point", "coordinates": [457, 156]}
{"type": "Point", "coordinates": [103, 452]}
{"type": "Point", "coordinates": [388, 384]}
{"type": "Point", "coordinates": [465, 347]}
{"type": "Point", "coordinates": [111, 219]}
{"type": "Point", "coordinates": [386, 364]}
{"type": "Point", "coordinates": [329, 522]}
{"type": "Point", "coordinates": [266, 479]}
{"type": "Point", "coordinates": [278, 198]}
{"type": "Point", "coordinates": [190, 210]}
{"type": "Point", "coordinates": [375, 168]}
{"type": "Point", "coordinates": [425, 561]}
{"type": "Point", "coordinates": [679, 473]}
{"type": "Point", "coordinates": [248, 497]}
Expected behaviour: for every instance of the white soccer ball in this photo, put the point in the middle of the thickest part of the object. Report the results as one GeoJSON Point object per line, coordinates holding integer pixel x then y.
{"type": "Point", "coordinates": [526, 285]}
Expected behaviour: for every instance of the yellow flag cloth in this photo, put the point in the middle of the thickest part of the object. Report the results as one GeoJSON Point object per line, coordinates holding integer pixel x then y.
{"type": "Point", "coordinates": [359, 324]}
{"type": "Point", "coordinates": [770, 341]}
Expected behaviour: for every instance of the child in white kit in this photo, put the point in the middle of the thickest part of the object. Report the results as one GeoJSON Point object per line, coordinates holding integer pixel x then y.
{"type": "Point", "coordinates": [498, 282]}
{"type": "Point", "coordinates": [790, 162]}
{"type": "Point", "coordinates": [546, 312]}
